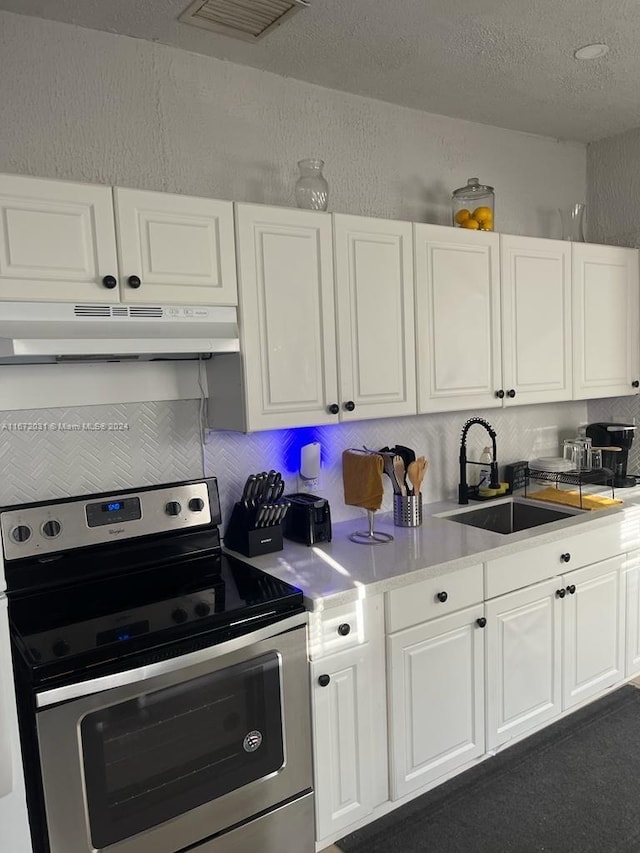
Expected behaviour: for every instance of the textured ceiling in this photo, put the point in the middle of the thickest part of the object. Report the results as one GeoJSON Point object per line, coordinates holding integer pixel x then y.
{"type": "Point", "coordinates": [507, 63]}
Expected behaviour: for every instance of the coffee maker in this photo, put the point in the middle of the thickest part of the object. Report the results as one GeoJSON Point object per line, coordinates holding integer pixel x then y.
{"type": "Point", "coordinates": [615, 441]}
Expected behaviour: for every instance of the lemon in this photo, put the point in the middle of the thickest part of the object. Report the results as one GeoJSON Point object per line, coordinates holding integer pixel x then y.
{"type": "Point", "coordinates": [482, 214]}
{"type": "Point", "coordinates": [473, 224]}
{"type": "Point", "coordinates": [462, 216]}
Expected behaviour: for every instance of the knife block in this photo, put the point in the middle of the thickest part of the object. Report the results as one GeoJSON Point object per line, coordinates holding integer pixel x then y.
{"type": "Point", "coordinates": [243, 536]}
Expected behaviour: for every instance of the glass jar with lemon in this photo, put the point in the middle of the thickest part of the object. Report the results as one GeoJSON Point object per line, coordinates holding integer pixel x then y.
{"type": "Point", "coordinates": [473, 205]}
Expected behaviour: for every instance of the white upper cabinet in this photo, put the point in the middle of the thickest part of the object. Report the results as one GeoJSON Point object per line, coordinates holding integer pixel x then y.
{"type": "Point", "coordinates": [285, 262]}
{"type": "Point", "coordinates": [57, 240]}
{"type": "Point", "coordinates": [315, 352]}
{"type": "Point", "coordinates": [493, 319]}
{"type": "Point", "coordinates": [457, 318]}
{"type": "Point", "coordinates": [536, 319]}
{"type": "Point", "coordinates": [375, 317]}
{"type": "Point", "coordinates": [65, 242]}
{"type": "Point", "coordinates": [180, 249]}
{"type": "Point", "coordinates": [606, 321]}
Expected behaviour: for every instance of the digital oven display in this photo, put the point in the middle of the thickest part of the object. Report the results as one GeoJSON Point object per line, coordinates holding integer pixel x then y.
{"type": "Point", "coordinates": [127, 509]}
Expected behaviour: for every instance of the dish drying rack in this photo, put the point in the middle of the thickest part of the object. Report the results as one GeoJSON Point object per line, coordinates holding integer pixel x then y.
{"type": "Point", "coordinates": [579, 479]}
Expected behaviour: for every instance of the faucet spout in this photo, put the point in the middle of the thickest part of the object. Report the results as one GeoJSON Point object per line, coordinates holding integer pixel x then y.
{"type": "Point", "coordinates": [463, 488]}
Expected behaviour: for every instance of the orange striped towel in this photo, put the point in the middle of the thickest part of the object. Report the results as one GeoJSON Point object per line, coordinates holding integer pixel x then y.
{"type": "Point", "coordinates": [571, 497]}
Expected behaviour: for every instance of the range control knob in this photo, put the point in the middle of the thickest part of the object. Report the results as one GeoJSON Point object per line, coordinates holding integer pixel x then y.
{"type": "Point", "coordinates": [21, 533]}
{"type": "Point", "coordinates": [172, 508]}
{"type": "Point", "coordinates": [179, 615]}
{"type": "Point", "coordinates": [60, 648]}
{"type": "Point", "coordinates": [202, 609]}
{"type": "Point", "coordinates": [196, 504]}
{"type": "Point", "coordinates": [51, 528]}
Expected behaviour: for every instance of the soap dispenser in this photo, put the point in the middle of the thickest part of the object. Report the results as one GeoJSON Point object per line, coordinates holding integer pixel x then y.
{"type": "Point", "coordinates": [486, 458]}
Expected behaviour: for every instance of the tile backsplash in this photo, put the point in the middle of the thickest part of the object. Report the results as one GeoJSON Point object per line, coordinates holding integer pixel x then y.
{"type": "Point", "coordinates": [59, 452]}
{"type": "Point", "coordinates": [54, 453]}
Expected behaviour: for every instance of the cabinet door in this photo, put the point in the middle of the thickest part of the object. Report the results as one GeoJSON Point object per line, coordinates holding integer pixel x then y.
{"type": "Point", "coordinates": [436, 699]}
{"type": "Point", "coordinates": [523, 661]}
{"type": "Point", "coordinates": [375, 317]}
{"type": "Point", "coordinates": [57, 241]}
{"type": "Point", "coordinates": [593, 612]}
{"type": "Point", "coordinates": [343, 747]}
{"type": "Point", "coordinates": [458, 318]}
{"type": "Point", "coordinates": [536, 319]}
{"type": "Point", "coordinates": [14, 822]}
{"type": "Point", "coordinates": [180, 248]}
{"type": "Point", "coordinates": [605, 331]}
{"type": "Point", "coordinates": [287, 316]}
{"type": "Point", "coordinates": [632, 622]}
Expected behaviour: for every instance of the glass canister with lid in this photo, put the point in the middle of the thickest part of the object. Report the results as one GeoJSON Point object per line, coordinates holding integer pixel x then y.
{"type": "Point", "coordinates": [473, 206]}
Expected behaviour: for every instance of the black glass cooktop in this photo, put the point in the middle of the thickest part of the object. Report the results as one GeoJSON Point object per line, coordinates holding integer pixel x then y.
{"type": "Point", "coordinates": [199, 600]}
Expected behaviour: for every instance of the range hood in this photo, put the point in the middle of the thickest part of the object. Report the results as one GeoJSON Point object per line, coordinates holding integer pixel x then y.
{"type": "Point", "coordinates": [64, 331]}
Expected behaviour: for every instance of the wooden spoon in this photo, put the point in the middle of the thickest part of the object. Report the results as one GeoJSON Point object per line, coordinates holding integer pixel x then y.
{"type": "Point", "coordinates": [416, 472]}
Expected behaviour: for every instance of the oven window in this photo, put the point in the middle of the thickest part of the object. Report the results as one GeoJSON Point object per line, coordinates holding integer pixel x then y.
{"type": "Point", "coordinates": [152, 758]}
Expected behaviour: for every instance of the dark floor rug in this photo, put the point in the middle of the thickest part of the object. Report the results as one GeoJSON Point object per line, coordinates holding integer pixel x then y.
{"type": "Point", "coordinates": [572, 788]}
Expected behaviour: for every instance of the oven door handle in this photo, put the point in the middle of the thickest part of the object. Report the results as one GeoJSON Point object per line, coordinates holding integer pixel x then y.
{"type": "Point", "coordinates": [141, 674]}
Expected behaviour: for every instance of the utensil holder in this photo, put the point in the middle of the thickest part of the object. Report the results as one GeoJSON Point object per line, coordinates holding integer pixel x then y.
{"type": "Point", "coordinates": [407, 510]}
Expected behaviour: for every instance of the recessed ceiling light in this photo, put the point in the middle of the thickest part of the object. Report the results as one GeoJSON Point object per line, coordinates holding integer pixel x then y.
{"type": "Point", "coordinates": [591, 51]}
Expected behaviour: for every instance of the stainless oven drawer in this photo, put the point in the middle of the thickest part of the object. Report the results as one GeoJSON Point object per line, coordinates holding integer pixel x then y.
{"type": "Point", "coordinates": [288, 829]}
{"type": "Point", "coordinates": [159, 763]}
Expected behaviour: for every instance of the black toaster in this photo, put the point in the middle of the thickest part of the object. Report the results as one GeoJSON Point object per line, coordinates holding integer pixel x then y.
{"type": "Point", "coordinates": [308, 519]}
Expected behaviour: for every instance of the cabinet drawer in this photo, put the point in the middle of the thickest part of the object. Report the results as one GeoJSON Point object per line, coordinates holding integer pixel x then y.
{"type": "Point", "coordinates": [419, 602]}
{"type": "Point", "coordinates": [536, 564]}
{"type": "Point", "coordinates": [344, 627]}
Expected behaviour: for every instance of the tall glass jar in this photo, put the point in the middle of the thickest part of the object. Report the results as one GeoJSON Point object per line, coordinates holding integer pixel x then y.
{"type": "Point", "coordinates": [473, 206]}
{"type": "Point", "coordinates": [312, 189]}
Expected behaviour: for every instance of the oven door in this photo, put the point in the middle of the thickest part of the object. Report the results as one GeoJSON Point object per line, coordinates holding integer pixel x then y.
{"type": "Point", "coordinates": [178, 751]}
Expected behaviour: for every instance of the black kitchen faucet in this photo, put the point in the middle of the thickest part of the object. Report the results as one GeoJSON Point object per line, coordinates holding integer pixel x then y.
{"type": "Point", "coordinates": [463, 488]}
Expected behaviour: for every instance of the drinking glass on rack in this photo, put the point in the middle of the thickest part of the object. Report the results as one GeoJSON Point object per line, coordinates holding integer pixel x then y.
{"type": "Point", "coordinates": [596, 458]}
{"type": "Point", "coordinates": [579, 452]}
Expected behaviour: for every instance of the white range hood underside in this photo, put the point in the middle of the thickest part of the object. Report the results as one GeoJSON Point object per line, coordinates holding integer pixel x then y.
{"type": "Point", "coordinates": [46, 331]}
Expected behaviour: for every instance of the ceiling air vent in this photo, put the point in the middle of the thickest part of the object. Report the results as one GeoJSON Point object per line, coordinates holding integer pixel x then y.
{"type": "Point", "coordinates": [249, 20]}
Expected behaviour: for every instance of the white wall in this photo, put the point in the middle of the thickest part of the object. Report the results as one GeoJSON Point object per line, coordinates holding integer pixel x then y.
{"type": "Point", "coordinates": [613, 168]}
{"type": "Point", "coordinates": [93, 106]}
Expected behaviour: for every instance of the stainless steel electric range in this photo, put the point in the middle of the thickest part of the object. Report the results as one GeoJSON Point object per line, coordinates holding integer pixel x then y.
{"type": "Point", "coordinates": [163, 691]}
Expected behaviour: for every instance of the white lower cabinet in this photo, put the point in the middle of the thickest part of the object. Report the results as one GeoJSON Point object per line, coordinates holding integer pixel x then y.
{"type": "Point", "coordinates": [632, 620]}
{"type": "Point", "coordinates": [552, 646]}
{"type": "Point", "coordinates": [436, 698]}
{"type": "Point", "coordinates": [523, 661]}
{"type": "Point", "coordinates": [593, 631]}
{"type": "Point", "coordinates": [342, 730]}
{"type": "Point", "coordinates": [348, 698]}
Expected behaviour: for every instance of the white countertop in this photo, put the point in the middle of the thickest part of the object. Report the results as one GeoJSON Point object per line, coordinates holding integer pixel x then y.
{"type": "Point", "coordinates": [336, 572]}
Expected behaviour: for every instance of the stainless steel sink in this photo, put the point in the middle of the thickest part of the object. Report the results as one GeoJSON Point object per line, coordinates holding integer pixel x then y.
{"type": "Point", "coordinates": [510, 516]}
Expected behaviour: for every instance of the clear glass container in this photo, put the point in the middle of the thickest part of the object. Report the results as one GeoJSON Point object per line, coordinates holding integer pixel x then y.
{"type": "Point", "coordinates": [473, 206]}
{"type": "Point", "coordinates": [312, 189]}
{"type": "Point", "coordinates": [572, 219]}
